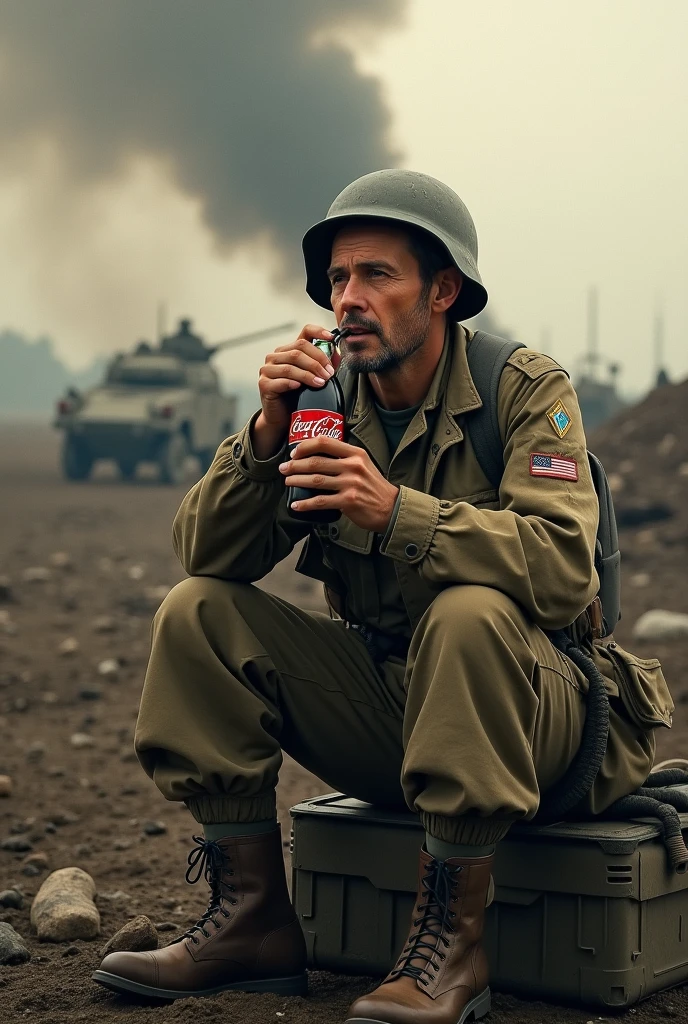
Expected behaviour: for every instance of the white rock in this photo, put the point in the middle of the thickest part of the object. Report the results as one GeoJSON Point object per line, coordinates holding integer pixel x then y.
{"type": "Point", "coordinates": [683, 469]}
{"type": "Point", "coordinates": [108, 667]}
{"type": "Point", "coordinates": [79, 740]}
{"type": "Point", "coordinates": [63, 909]}
{"type": "Point", "coordinates": [36, 574]}
{"type": "Point", "coordinates": [659, 624]}
{"type": "Point", "coordinates": [136, 572]}
{"type": "Point", "coordinates": [5, 785]}
{"type": "Point", "coordinates": [640, 579]}
{"type": "Point", "coordinates": [68, 647]}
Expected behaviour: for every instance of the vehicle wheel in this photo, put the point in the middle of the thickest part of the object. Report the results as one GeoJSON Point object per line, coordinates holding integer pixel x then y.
{"type": "Point", "coordinates": [172, 459]}
{"type": "Point", "coordinates": [127, 468]}
{"type": "Point", "coordinates": [77, 461]}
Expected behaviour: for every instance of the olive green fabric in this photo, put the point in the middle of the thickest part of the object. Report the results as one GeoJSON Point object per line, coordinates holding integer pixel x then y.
{"type": "Point", "coordinates": [486, 712]}
{"type": "Point", "coordinates": [440, 850]}
{"type": "Point", "coordinates": [222, 830]}
{"type": "Point", "coordinates": [534, 540]}
{"type": "Point", "coordinates": [484, 715]}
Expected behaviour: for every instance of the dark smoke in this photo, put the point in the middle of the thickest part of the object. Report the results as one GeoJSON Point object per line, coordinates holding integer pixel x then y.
{"type": "Point", "coordinates": [253, 118]}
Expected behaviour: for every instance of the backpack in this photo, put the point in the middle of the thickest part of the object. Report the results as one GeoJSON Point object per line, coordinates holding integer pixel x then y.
{"type": "Point", "coordinates": [487, 356]}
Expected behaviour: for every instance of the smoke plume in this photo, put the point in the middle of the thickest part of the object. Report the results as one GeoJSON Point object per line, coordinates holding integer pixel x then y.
{"type": "Point", "coordinates": [250, 104]}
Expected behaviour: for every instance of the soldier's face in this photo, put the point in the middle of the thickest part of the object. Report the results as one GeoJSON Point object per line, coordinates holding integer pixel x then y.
{"type": "Point", "coordinates": [378, 293]}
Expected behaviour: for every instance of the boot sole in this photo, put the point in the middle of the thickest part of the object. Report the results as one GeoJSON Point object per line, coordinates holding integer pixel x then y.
{"type": "Point", "coordinates": [297, 985]}
{"type": "Point", "coordinates": [476, 1009]}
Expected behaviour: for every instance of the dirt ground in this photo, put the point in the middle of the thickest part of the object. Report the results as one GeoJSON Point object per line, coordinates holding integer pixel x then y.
{"type": "Point", "coordinates": [86, 802]}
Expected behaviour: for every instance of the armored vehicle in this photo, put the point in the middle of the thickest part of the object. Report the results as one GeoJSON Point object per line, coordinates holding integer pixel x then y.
{"type": "Point", "coordinates": [598, 400]}
{"type": "Point", "coordinates": [157, 404]}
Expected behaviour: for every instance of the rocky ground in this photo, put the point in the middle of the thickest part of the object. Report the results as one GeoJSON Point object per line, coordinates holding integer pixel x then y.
{"type": "Point", "coordinates": [86, 566]}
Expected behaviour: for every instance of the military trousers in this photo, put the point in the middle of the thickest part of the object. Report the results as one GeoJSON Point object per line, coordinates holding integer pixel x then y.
{"type": "Point", "coordinates": [483, 716]}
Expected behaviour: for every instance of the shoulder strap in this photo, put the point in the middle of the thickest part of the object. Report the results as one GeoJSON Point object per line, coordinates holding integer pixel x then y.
{"type": "Point", "coordinates": [487, 356]}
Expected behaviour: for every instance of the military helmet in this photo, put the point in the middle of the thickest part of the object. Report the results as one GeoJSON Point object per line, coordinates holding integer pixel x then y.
{"type": "Point", "coordinates": [407, 197]}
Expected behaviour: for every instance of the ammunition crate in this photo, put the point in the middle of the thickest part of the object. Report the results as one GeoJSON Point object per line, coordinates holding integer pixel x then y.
{"type": "Point", "coordinates": [589, 913]}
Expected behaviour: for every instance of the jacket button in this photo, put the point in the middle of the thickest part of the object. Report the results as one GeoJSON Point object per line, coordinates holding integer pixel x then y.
{"type": "Point", "coordinates": [435, 448]}
{"type": "Point", "coordinates": [411, 550]}
{"type": "Point", "coordinates": [334, 532]}
{"type": "Point", "coordinates": [236, 449]}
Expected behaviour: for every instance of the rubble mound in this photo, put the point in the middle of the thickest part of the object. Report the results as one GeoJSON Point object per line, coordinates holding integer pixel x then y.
{"type": "Point", "coordinates": [644, 450]}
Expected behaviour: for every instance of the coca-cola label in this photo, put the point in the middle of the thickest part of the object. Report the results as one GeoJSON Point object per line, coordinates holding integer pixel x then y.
{"type": "Point", "coordinates": [307, 423]}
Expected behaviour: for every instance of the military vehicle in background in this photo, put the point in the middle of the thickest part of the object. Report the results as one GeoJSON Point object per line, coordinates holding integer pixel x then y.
{"type": "Point", "coordinates": [159, 403]}
{"type": "Point", "coordinates": [599, 400]}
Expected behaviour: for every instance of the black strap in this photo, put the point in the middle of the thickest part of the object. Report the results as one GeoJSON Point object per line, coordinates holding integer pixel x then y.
{"type": "Point", "coordinates": [487, 356]}
{"type": "Point", "coordinates": [578, 779]}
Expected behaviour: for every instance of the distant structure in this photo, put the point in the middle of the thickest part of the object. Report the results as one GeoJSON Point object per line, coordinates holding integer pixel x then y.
{"type": "Point", "coordinates": [661, 374]}
{"type": "Point", "coordinates": [599, 399]}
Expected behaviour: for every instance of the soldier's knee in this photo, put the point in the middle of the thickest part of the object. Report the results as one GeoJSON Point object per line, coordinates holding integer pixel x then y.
{"type": "Point", "coordinates": [463, 610]}
{"type": "Point", "coordinates": [185, 600]}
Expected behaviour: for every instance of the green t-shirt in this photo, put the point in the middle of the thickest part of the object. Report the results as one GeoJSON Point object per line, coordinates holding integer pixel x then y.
{"type": "Point", "coordinates": [394, 423]}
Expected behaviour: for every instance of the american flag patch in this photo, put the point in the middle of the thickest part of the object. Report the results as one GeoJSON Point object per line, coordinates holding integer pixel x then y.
{"type": "Point", "coordinates": [558, 466]}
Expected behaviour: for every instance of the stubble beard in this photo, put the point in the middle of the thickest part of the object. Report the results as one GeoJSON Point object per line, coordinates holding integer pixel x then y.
{"type": "Point", "coordinates": [408, 334]}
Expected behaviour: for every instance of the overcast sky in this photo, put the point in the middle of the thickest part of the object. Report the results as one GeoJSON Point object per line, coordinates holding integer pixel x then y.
{"type": "Point", "coordinates": [562, 125]}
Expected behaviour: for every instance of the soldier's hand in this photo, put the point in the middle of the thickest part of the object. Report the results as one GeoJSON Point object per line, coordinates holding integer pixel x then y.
{"type": "Point", "coordinates": [357, 486]}
{"type": "Point", "coordinates": [284, 371]}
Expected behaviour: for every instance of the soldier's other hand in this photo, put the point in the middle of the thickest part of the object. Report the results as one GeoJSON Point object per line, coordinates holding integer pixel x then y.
{"type": "Point", "coordinates": [357, 486]}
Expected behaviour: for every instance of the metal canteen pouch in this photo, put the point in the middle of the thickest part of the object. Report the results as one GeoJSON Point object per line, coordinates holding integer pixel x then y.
{"type": "Point", "coordinates": [319, 413]}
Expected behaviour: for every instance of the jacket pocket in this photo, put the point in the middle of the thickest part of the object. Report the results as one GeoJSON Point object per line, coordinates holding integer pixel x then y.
{"type": "Point", "coordinates": [642, 688]}
{"type": "Point", "coordinates": [350, 552]}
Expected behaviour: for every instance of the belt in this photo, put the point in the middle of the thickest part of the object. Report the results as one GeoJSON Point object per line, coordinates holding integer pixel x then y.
{"type": "Point", "coordinates": [379, 645]}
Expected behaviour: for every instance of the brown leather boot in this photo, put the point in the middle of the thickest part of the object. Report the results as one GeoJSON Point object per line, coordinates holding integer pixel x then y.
{"type": "Point", "coordinates": [441, 976]}
{"type": "Point", "coordinates": [249, 937]}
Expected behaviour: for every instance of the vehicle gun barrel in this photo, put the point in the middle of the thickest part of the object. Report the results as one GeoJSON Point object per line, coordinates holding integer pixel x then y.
{"type": "Point", "coordinates": [244, 339]}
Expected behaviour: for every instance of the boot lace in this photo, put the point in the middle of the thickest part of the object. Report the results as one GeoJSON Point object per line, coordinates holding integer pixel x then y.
{"type": "Point", "coordinates": [425, 945]}
{"type": "Point", "coordinates": [211, 861]}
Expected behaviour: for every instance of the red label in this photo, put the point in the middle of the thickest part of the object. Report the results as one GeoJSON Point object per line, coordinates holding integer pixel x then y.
{"type": "Point", "coordinates": [307, 423]}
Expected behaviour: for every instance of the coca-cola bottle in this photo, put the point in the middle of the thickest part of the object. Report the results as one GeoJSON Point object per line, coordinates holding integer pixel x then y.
{"type": "Point", "coordinates": [319, 412]}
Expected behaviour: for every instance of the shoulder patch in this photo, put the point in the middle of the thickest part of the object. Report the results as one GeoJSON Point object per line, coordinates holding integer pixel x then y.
{"type": "Point", "coordinates": [561, 467]}
{"type": "Point", "coordinates": [560, 418]}
{"type": "Point", "coordinates": [533, 364]}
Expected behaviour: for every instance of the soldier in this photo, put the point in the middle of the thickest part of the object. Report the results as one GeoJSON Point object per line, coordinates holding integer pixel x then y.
{"type": "Point", "coordinates": [433, 683]}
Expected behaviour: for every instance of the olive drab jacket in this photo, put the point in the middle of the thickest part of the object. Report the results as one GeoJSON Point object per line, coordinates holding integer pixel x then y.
{"type": "Point", "coordinates": [534, 539]}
